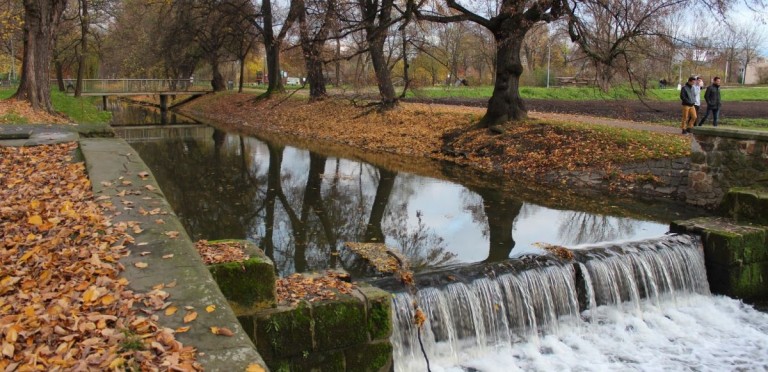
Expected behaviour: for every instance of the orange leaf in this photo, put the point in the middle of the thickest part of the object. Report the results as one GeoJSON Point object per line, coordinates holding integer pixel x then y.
{"type": "Point", "coordinates": [222, 331]}
{"type": "Point", "coordinates": [35, 220]}
{"type": "Point", "coordinates": [171, 310]}
{"type": "Point", "coordinates": [141, 265]}
{"type": "Point", "coordinates": [255, 368]}
{"type": "Point", "coordinates": [190, 316]}
{"type": "Point", "coordinates": [182, 329]}
{"type": "Point", "coordinates": [210, 308]}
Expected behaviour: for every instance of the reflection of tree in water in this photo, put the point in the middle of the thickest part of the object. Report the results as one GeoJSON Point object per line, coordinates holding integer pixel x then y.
{"type": "Point", "coordinates": [582, 227]}
{"type": "Point", "coordinates": [191, 170]}
{"type": "Point", "coordinates": [497, 212]}
{"type": "Point", "coordinates": [419, 244]}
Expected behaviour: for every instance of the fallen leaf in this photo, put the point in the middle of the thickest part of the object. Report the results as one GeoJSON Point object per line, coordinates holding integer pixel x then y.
{"type": "Point", "coordinates": [168, 255]}
{"type": "Point", "coordinates": [150, 187]}
{"type": "Point", "coordinates": [222, 331]}
{"type": "Point", "coordinates": [172, 234]}
{"type": "Point", "coordinates": [210, 308]}
{"type": "Point", "coordinates": [190, 316]}
{"type": "Point", "coordinates": [171, 310]}
{"type": "Point", "coordinates": [141, 265]}
{"type": "Point", "coordinates": [182, 329]}
{"type": "Point", "coordinates": [35, 220]}
{"type": "Point", "coordinates": [143, 175]}
{"type": "Point", "coordinates": [255, 368]}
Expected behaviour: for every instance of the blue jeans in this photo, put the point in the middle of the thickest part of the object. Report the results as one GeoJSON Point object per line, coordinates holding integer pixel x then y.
{"type": "Point", "coordinates": [715, 116]}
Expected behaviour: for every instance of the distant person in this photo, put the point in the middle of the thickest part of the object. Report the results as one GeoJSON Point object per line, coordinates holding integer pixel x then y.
{"type": "Point", "coordinates": [712, 97]}
{"type": "Point", "coordinates": [697, 85]}
{"type": "Point", "coordinates": [662, 83]}
{"type": "Point", "coordinates": [688, 100]}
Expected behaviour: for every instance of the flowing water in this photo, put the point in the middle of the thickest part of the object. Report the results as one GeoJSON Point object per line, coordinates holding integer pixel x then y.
{"type": "Point", "coordinates": [642, 306]}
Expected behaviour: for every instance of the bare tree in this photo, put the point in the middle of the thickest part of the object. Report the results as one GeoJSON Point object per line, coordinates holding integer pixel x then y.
{"type": "Point", "coordinates": [751, 39]}
{"type": "Point", "coordinates": [608, 31]}
{"type": "Point", "coordinates": [509, 22]}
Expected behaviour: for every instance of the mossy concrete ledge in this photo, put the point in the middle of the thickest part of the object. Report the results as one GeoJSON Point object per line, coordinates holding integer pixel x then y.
{"type": "Point", "coordinates": [120, 179]}
{"type": "Point", "coordinates": [736, 256]}
{"type": "Point", "coordinates": [248, 285]}
{"type": "Point", "coordinates": [350, 333]}
{"type": "Point", "coordinates": [746, 204]}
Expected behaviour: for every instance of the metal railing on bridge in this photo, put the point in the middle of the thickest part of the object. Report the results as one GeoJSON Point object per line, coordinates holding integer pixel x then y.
{"type": "Point", "coordinates": [134, 85]}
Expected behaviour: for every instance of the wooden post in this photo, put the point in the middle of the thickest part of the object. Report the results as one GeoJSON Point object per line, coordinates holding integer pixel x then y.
{"type": "Point", "coordinates": [163, 103]}
{"type": "Point", "coordinates": [104, 102]}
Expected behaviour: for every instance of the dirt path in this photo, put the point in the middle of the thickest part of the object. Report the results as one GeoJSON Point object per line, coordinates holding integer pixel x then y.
{"type": "Point", "coordinates": [631, 110]}
{"type": "Point", "coordinates": [576, 118]}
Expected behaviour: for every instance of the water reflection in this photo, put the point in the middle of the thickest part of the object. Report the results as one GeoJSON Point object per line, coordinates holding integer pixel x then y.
{"type": "Point", "coordinates": [125, 113]}
{"type": "Point", "coordinates": [300, 207]}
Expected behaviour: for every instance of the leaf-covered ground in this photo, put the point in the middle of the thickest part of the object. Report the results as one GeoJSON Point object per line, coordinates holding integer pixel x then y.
{"type": "Point", "coordinates": [525, 149]}
{"type": "Point", "coordinates": [63, 304]}
{"type": "Point", "coordinates": [20, 112]}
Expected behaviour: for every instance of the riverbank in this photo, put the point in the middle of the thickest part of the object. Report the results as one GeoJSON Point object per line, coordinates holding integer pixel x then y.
{"type": "Point", "coordinates": [538, 149]}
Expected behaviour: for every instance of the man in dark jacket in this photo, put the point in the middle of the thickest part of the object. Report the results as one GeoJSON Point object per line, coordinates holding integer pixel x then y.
{"type": "Point", "coordinates": [712, 97]}
{"type": "Point", "coordinates": [688, 98]}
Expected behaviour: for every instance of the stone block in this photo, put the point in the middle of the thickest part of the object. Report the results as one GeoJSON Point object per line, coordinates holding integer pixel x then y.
{"type": "Point", "coordinates": [339, 323]}
{"type": "Point", "coordinates": [283, 332]}
{"type": "Point", "coordinates": [379, 312]}
{"type": "Point", "coordinates": [332, 361]}
{"type": "Point", "coordinates": [746, 205]}
{"type": "Point", "coordinates": [248, 285]}
{"type": "Point", "coordinates": [726, 242]}
{"type": "Point", "coordinates": [747, 282]}
{"type": "Point", "coordinates": [373, 357]}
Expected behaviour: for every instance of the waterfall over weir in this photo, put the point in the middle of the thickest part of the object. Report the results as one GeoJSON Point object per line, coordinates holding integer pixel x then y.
{"type": "Point", "coordinates": [505, 307]}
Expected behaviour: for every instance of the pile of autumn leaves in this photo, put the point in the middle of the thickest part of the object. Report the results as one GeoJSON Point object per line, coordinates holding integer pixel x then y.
{"type": "Point", "coordinates": [63, 304]}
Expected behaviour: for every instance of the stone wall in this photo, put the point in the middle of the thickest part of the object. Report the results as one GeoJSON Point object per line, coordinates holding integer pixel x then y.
{"type": "Point", "coordinates": [347, 334]}
{"type": "Point", "coordinates": [722, 159]}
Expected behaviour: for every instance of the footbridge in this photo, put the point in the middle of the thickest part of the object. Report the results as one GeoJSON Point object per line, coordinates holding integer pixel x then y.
{"type": "Point", "coordinates": [162, 88]}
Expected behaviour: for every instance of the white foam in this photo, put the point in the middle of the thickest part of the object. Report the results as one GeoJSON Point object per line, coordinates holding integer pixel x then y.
{"type": "Point", "coordinates": [695, 333]}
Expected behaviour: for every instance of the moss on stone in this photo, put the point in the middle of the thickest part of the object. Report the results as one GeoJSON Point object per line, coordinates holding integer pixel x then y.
{"type": "Point", "coordinates": [332, 361]}
{"type": "Point", "coordinates": [372, 357]}
{"type": "Point", "coordinates": [339, 323]}
{"type": "Point", "coordinates": [283, 332]}
{"type": "Point", "coordinates": [379, 311]}
{"type": "Point", "coordinates": [248, 285]}
{"type": "Point", "coordinates": [746, 205]}
{"type": "Point", "coordinates": [750, 282]}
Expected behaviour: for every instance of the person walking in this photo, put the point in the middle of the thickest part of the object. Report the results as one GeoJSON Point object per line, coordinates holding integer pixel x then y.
{"type": "Point", "coordinates": [688, 100]}
{"type": "Point", "coordinates": [712, 97]}
{"type": "Point", "coordinates": [697, 85]}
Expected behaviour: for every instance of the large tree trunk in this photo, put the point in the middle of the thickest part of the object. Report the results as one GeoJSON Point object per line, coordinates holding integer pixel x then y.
{"type": "Point", "coordinates": [505, 103]}
{"type": "Point", "coordinates": [273, 67]}
{"type": "Point", "coordinates": [315, 75]}
{"type": "Point", "coordinates": [383, 77]}
{"type": "Point", "coordinates": [40, 21]}
{"type": "Point", "coordinates": [217, 81]}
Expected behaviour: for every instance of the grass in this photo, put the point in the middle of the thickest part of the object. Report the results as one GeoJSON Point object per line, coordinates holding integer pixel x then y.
{"type": "Point", "coordinates": [585, 93]}
{"type": "Point", "coordinates": [84, 110]}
